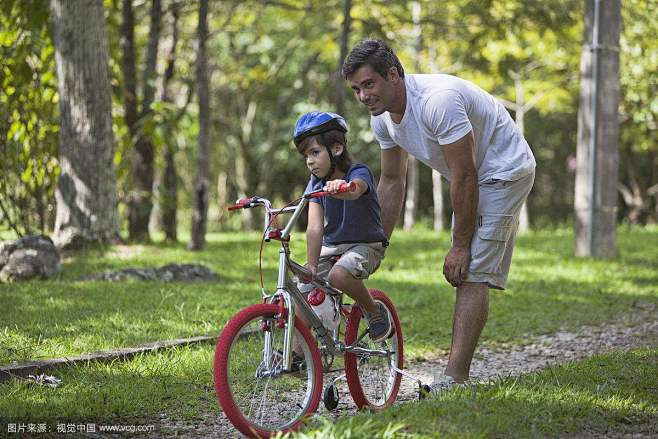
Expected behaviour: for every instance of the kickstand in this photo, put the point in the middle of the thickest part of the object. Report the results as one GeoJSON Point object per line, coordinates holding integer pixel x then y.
{"type": "Point", "coordinates": [423, 389]}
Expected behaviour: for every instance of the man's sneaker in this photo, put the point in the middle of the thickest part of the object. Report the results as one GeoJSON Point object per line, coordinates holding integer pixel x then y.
{"type": "Point", "coordinates": [443, 383]}
{"type": "Point", "coordinates": [379, 325]}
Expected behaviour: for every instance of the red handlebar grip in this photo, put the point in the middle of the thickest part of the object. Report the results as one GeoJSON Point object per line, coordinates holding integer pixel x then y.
{"type": "Point", "coordinates": [345, 187]}
{"type": "Point", "coordinates": [348, 187]}
{"type": "Point", "coordinates": [240, 204]}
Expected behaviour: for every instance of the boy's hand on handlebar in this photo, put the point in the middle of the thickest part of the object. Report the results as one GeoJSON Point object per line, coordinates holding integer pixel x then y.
{"type": "Point", "coordinates": [314, 271]}
{"type": "Point", "coordinates": [333, 186]}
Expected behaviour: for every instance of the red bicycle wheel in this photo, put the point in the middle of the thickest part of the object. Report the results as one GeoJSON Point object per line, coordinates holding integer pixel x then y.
{"type": "Point", "coordinates": [372, 379]}
{"type": "Point", "coordinates": [257, 396]}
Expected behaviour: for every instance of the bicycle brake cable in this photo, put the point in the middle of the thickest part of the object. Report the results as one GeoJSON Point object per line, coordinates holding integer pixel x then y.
{"type": "Point", "coordinates": [262, 241]}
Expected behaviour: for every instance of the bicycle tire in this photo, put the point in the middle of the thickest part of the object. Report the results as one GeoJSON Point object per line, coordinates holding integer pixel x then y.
{"type": "Point", "coordinates": [373, 384]}
{"type": "Point", "coordinates": [238, 359]}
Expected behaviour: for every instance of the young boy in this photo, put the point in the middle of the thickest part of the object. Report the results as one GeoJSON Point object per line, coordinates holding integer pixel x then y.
{"type": "Point", "coordinates": [347, 224]}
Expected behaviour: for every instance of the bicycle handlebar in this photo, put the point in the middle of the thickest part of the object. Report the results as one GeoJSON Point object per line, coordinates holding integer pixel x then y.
{"type": "Point", "coordinates": [271, 229]}
{"type": "Point", "coordinates": [246, 203]}
{"type": "Point", "coordinates": [345, 187]}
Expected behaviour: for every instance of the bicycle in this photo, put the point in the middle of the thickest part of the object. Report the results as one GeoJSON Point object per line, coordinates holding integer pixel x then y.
{"type": "Point", "coordinates": [268, 368]}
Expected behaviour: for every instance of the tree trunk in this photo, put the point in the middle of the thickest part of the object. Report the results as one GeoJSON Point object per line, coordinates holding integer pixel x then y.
{"type": "Point", "coordinates": [524, 221]}
{"type": "Point", "coordinates": [169, 192]}
{"type": "Point", "coordinates": [200, 214]}
{"type": "Point", "coordinates": [520, 108]}
{"type": "Point", "coordinates": [222, 196]}
{"type": "Point", "coordinates": [86, 190]}
{"type": "Point", "coordinates": [437, 192]}
{"type": "Point", "coordinates": [411, 202]}
{"type": "Point", "coordinates": [598, 132]}
{"type": "Point", "coordinates": [241, 183]}
{"type": "Point", "coordinates": [437, 195]}
{"type": "Point", "coordinates": [128, 67]}
{"type": "Point", "coordinates": [344, 43]}
{"type": "Point", "coordinates": [141, 199]}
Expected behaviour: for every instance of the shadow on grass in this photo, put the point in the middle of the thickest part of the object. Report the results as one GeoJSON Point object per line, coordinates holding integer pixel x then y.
{"type": "Point", "coordinates": [612, 390]}
{"type": "Point", "coordinates": [548, 289]}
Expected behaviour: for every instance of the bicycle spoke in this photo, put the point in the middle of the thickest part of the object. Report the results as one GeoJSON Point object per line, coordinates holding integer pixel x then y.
{"type": "Point", "coordinates": [261, 396]}
{"type": "Point", "coordinates": [371, 367]}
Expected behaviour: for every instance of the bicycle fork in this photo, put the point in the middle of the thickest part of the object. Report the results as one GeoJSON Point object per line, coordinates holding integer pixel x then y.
{"type": "Point", "coordinates": [292, 296]}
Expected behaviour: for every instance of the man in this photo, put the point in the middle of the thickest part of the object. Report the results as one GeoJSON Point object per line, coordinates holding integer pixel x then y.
{"type": "Point", "coordinates": [460, 130]}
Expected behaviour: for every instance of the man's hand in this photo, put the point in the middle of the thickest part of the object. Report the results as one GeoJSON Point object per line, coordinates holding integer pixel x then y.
{"type": "Point", "coordinates": [455, 267]}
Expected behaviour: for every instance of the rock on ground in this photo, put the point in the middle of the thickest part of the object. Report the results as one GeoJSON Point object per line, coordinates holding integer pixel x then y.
{"type": "Point", "coordinates": [167, 273]}
{"type": "Point", "coordinates": [33, 256]}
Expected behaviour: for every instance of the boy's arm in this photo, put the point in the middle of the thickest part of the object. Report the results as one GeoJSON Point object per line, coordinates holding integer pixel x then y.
{"type": "Point", "coordinates": [314, 232]}
{"type": "Point", "coordinates": [361, 188]}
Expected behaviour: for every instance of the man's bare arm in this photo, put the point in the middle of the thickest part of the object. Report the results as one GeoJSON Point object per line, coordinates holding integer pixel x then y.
{"type": "Point", "coordinates": [464, 196]}
{"type": "Point", "coordinates": [390, 190]}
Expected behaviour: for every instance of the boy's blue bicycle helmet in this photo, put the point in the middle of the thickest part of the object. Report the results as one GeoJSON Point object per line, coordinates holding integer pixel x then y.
{"type": "Point", "coordinates": [317, 122]}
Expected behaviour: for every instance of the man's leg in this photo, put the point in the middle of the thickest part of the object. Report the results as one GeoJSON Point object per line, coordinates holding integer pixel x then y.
{"type": "Point", "coordinates": [471, 311]}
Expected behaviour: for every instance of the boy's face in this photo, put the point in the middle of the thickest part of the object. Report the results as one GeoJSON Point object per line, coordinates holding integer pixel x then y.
{"type": "Point", "coordinates": [318, 160]}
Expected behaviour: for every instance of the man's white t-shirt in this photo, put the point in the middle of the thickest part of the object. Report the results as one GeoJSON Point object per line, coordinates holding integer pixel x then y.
{"type": "Point", "coordinates": [442, 109]}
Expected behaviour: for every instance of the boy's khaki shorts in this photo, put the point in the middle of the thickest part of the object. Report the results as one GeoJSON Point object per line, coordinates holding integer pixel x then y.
{"type": "Point", "coordinates": [497, 223]}
{"type": "Point", "coordinates": [360, 259]}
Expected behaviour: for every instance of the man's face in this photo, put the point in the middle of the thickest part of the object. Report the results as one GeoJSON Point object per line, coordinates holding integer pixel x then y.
{"type": "Point", "coordinates": [372, 90]}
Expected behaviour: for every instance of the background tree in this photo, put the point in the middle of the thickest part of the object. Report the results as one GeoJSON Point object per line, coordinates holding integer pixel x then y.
{"type": "Point", "coordinates": [169, 187]}
{"type": "Point", "coordinates": [638, 111]}
{"type": "Point", "coordinates": [344, 49]}
{"type": "Point", "coordinates": [269, 62]}
{"type": "Point", "coordinates": [598, 132]}
{"type": "Point", "coordinates": [200, 213]}
{"type": "Point", "coordinates": [86, 191]}
{"type": "Point", "coordinates": [411, 199]}
{"type": "Point", "coordinates": [520, 107]}
{"type": "Point", "coordinates": [141, 194]}
{"type": "Point", "coordinates": [28, 119]}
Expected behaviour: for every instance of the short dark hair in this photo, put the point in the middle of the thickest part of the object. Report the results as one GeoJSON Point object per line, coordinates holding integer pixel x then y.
{"type": "Point", "coordinates": [331, 137]}
{"type": "Point", "coordinates": [374, 53]}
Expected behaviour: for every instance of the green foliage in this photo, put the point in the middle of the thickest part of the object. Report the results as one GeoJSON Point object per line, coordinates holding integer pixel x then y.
{"type": "Point", "coordinates": [28, 118]}
{"type": "Point", "coordinates": [638, 110]}
{"type": "Point", "coordinates": [639, 82]}
{"type": "Point", "coordinates": [269, 62]}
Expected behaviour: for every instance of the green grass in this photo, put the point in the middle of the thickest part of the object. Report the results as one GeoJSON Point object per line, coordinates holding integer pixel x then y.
{"type": "Point", "coordinates": [613, 391]}
{"type": "Point", "coordinates": [176, 381]}
{"type": "Point", "coordinates": [606, 391]}
{"type": "Point", "coordinates": [548, 289]}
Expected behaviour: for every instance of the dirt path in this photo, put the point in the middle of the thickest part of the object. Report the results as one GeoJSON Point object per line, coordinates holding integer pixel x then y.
{"type": "Point", "coordinates": [635, 331]}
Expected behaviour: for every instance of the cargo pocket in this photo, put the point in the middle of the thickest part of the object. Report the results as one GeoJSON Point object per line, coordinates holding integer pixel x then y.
{"type": "Point", "coordinates": [375, 257]}
{"type": "Point", "coordinates": [492, 235]}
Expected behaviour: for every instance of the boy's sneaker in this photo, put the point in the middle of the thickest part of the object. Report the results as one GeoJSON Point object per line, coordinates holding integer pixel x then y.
{"type": "Point", "coordinates": [379, 325]}
{"type": "Point", "coordinates": [443, 383]}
